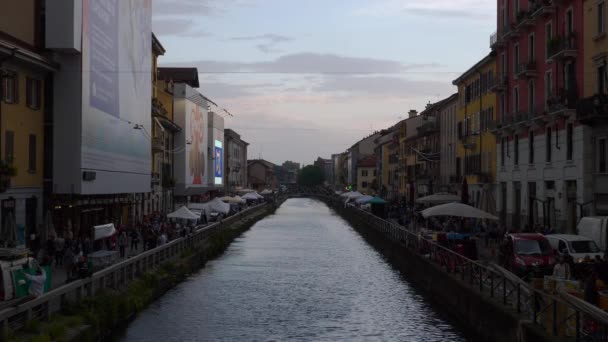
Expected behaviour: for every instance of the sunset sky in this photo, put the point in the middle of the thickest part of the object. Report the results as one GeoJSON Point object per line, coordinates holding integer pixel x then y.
{"type": "Point", "coordinates": [307, 79]}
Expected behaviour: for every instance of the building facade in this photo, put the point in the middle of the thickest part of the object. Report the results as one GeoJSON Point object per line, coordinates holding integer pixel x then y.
{"type": "Point", "coordinates": [476, 150]}
{"type": "Point", "coordinates": [542, 174]}
{"type": "Point", "coordinates": [25, 85]}
{"type": "Point", "coordinates": [261, 174]}
{"type": "Point", "coordinates": [235, 168]}
{"type": "Point", "coordinates": [366, 175]}
{"type": "Point", "coordinates": [593, 108]}
{"type": "Point", "coordinates": [448, 143]}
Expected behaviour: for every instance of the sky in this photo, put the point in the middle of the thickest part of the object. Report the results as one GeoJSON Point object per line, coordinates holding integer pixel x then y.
{"type": "Point", "coordinates": [306, 79]}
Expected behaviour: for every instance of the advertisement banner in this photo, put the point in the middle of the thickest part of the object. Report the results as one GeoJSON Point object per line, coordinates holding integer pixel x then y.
{"type": "Point", "coordinates": [196, 145]}
{"type": "Point", "coordinates": [218, 161]}
{"type": "Point", "coordinates": [117, 90]}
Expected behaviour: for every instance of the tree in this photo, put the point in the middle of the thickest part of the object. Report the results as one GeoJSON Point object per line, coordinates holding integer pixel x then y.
{"type": "Point", "coordinates": [310, 175]}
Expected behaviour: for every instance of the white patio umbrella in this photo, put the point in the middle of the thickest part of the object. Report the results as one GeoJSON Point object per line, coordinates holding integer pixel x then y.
{"type": "Point", "coordinates": [238, 199]}
{"type": "Point", "coordinates": [250, 196]}
{"type": "Point", "coordinates": [438, 198]}
{"type": "Point", "coordinates": [457, 210]}
{"type": "Point", "coordinates": [258, 195]}
{"type": "Point", "coordinates": [266, 192]}
{"type": "Point", "coordinates": [227, 199]}
{"type": "Point", "coordinates": [346, 194]}
{"type": "Point", "coordinates": [183, 213]}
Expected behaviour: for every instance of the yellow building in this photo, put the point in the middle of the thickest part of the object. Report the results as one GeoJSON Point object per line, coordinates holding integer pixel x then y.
{"type": "Point", "coordinates": [366, 175]}
{"type": "Point", "coordinates": [595, 47]}
{"type": "Point", "coordinates": [476, 150]}
{"type": "Point", "coordinates": [24, 73]}
{"type": "Point", "coordinates": [163, 130]}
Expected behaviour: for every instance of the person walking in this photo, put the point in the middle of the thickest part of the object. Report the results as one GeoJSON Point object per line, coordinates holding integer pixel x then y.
{"type": "Point", "coordinates": [562, 269]}
{"type": "Point", "coordinates": [59, 250]}
{"type": "Point", "coordinates": [37, 281]}
{"type": "Point", "coordinates": [134, 240]}
{"type": "Point", "coordinates": [122, 243]}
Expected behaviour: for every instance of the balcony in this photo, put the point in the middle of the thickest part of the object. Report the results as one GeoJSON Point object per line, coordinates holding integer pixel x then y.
{"type": "Point", "coordinates": [155, 178]}
{"type": "Point", "coordinates": [564, 102]}
{"type": "Point", "coordinates": [496, 41]}
{"type": "Point", "coordinates": [593, 109]}
{"type": "Point", "coordinates": [428, 128]}
{"type": "Point", "coordinates": [539, 8]}
{"type": "Point", "coordinates": [562, 47]}
{"type": "Point", "coordinates": [524, 20]}
{"type": "Point", "coordinates": [526, 70]}
{"type": "Point", "coordinates": [500, 84]}
{"type": "Point", "coordinates": [157, 144]}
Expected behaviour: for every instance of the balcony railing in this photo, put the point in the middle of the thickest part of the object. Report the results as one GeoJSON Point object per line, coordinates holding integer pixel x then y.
{"type": "Point", "coordinates": [500, 83]}
{"type": "Point", "coordinates": [562, 47]}
{"type": "Point", "coordinates": [564, 100]}
{"type": "Point", "coordinates": [592, 109]}
{"type": "Point", "coordinates": [541, 7]}
{"type": "Point", "coordinates": [527, 70]}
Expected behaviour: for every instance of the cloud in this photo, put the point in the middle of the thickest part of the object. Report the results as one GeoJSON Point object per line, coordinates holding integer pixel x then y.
{"type": "Point", "coordinates": [309, 63]}
{"type": "Point", "coordinates": [383, 86]}
{"type": "Point", "coordinates": [176, 27]}
{"type": "Point", "coordinates": [446, 9]}
{"type": "Point", "coordinates": [268, 41]}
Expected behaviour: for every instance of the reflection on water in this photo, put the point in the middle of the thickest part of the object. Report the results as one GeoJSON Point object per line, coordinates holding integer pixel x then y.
{"type": "Point", "coordinates": [301, 275]}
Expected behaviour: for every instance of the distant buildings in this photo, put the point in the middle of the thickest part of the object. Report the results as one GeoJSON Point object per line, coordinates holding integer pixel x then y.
{"type": "Point", "coordinates": [261, 174]}
{"type": "Point", "coordinates": [327, 166]}
{"type": "Point", "coordinates": [367, 181]}
{"type": "Point", "coordinates": [235, 166]}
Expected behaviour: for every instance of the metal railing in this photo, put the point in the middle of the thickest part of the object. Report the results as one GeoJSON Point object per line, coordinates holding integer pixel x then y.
{"type": "Point", "coordinates": [112, 277]}
{"type": "Point", "coordinates": [553, 313]}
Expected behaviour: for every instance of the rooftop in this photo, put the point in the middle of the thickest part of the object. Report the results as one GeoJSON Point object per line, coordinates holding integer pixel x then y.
{"type": "Point", "coordinates": [180, 75]}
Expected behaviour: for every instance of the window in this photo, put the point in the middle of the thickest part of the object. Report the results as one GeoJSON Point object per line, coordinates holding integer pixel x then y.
{"type": "Point", "coordinates": [502, 151]}
{"type": "Point", "coordinates": [550, 185]}
{"type": "Point", "coordinates": [531, 147]}
{"type": "Point", "coordinates": [10, 85]}
{"type": "Point", "coordinates": [548, 86]}
{"type": "Point", "coordinates": [601, 79]}
{"type": "Point", "coordinates": [548, 37]}
{"type": "Point", "coordinates": [515, 100]}
{"type": "Point", "coordinates": [364, 184]}
{"type": "Point", "coordinates": [531, 93]}
{"type": "Point", "coordinates": [364, 173]}
{"type": "Point", "coordinates": [516, 149]}
{"type": "Point", "coordinates": [531, 46]}
{"type": "Point", "coordinates": [601, 17]}
{"type": "Point", "coordinates": [516, 58]}
{"type": "Point", "coordinates": [32, 154]}
{"type": "Point", "coordinates": [548, 144]}
{"type": "Point", "coordinates": [569, 21]}
{"type": "Point", "coordinates": [9, 146]}
{"type": "Point", "coordinates": [502, 106]}
{"type": "Point", "coordinates": [33, 93]}
{"type": "Point", "coordinates": [515, 8]}
{"type": "Point", "coordinates": [569, 141]}
{"type": "Point", "coordinates": [602, 155]}
{"type": "Point", "coordinates": [375, 173]}
{"type": "Point", "coordinates": [503, 64]}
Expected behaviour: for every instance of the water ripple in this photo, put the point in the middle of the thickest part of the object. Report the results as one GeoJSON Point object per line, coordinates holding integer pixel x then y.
{"type": "Point", "coordinates": [302, 274]}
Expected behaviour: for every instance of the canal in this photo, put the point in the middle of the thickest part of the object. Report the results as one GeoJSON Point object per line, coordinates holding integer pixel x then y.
{"type": "Point", "coordinates": [302, 274]}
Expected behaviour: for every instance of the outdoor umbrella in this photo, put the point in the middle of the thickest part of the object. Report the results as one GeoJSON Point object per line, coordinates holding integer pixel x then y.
{"type": "Point", "coordinates": [346, 194]}
{"type": "Point", "coordinates": [464, 194]}
{"type": "Point", "coordinates": [266, 192]}
{"type": "Point", "coordinates": [183, 213]}
{"type": "Point", "coordinates": [438, 198]}
{"type": "Point", "coordinates": [238, 199]}
{"type": "Point", "coordinates": [250, 196]}
{"type": "Point", "coordinates": [364, 199]}
{"type": "Point", "coordinates": [376, 200]}
{"type": "Point", "coordinates": [258, 195]}
{"type": "Point", "coordinates": [457, 210]}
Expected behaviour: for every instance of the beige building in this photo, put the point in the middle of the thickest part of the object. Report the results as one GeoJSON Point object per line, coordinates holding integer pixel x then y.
{"type": "Point", "coordinates": [366, 175]}
{"type": "Point", "coordinates": [261, 175]}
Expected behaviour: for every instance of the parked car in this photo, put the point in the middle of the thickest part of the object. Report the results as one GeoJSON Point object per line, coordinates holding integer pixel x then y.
{"type": "Point", "coordinates": [527, 253]}
{"type": "Point", "coordinates": [577, 246]}
{"type": "Point", "coordinates": [595, 228]}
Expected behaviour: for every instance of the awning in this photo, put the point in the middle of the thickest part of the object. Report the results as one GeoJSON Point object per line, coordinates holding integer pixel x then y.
{"type": "Point", "coordinates": [168, 124]}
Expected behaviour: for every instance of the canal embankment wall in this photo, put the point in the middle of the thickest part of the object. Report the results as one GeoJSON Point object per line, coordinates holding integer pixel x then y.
{"type": "Point", "coordinates": [92, 309]}
{"type": "Point", "coordinates": [484, 317]}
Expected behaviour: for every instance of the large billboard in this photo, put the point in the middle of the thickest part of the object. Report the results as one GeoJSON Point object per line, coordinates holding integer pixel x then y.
{"type": "Point", "coordinates": [116, 94]}
{"type": "Point", "coordinates": [196, 145]}
{"type": "Point", "coordinates": [218, 162]}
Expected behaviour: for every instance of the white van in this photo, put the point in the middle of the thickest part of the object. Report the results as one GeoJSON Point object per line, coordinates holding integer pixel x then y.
{"type": "Point", "coordinates": [576, 245]}
{"type": "Point", "coordinates": [595, 228]}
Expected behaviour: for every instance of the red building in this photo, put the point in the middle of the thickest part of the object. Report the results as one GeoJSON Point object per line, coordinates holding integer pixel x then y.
{"type": "Point", "coordinates": [541, 171]}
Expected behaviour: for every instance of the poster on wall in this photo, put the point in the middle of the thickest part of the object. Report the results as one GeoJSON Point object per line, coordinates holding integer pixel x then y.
{"type": "Point", "coordinates": [218, 161]}
{"type": "Point", "coordinates": [196, 142]}
{"type": "Point", "coordinates": [116, 88]}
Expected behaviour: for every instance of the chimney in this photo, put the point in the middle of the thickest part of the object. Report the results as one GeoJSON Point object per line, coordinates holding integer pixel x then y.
{"type": "Point", "coordinates": [412, 113]}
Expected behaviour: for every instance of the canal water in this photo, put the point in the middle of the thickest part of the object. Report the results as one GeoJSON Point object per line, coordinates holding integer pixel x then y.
{"type": "Point", "coordinates": [302, 274]}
